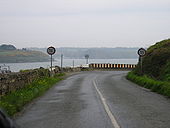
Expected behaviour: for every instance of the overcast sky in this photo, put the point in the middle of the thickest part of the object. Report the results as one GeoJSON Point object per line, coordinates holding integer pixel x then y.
{"type": "Point", "coordinates": [84, 23]}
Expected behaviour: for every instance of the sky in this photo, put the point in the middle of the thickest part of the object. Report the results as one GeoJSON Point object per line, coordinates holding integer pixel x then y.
{"type": "Point", "coordinates": [84, 23]}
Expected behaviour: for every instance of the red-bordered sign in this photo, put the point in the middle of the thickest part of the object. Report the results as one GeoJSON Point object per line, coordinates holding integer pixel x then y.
{"type": "Point", "coordinates": [51, 50]}
{"type": "Point", "coordinates": [141, 52]}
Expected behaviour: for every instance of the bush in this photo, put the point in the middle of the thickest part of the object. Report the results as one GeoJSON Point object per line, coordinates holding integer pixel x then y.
{"type": "Point", "coordinates": [165, 72]}
{"type": "Point", "coordinates": [161, 87]}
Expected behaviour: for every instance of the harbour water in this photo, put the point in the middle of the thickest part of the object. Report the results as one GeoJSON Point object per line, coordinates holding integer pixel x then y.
{"type": "Point", "coordinates": [15, 67]}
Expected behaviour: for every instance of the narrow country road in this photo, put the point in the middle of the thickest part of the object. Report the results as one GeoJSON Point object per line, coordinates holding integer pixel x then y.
{"type": "Point", "coordinates": [98, 99]}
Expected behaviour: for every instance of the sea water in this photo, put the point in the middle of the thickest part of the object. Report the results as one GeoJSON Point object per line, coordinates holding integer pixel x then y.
{"type": "Point", "coordinates": [15, 67]}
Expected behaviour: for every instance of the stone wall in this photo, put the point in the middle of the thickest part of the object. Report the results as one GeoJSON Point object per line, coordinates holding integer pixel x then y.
{"type": "Point", "coordinates": [14, 81]}
{"type": "Point", "coordinates": [66, 69]}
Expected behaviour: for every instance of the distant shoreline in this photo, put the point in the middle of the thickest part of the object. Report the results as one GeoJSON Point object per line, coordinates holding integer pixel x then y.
{"type": "Point", "coordinates": [15, 67]}
{"type": "Point", "coordinates": [70, 59]}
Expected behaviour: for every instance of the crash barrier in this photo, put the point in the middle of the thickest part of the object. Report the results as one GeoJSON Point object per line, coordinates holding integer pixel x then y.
{"type": "Point", "coordinates": [112, 66]}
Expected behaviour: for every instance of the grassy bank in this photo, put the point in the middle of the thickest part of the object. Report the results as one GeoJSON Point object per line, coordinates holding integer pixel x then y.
{"type": "Point", "coordinates": [15, 101]}
{"type": "Point", "coordinates": [161, 87]}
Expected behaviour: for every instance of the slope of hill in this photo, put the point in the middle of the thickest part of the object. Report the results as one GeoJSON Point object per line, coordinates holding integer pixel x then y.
{"type": "Point", "coordinates": [156, 69]}
{"type": "Point", "coordinates": [156, 63]}
{"type": "Point", "coordinates": [94, 53]}
{"type": "Point", "coordinates": [17, 56]}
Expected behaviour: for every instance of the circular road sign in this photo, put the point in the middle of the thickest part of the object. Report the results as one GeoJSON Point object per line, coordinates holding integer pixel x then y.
{"type": "Point", "coordinates": [51, 50]}
{"type": "Point", "coordinates": [141, 52]}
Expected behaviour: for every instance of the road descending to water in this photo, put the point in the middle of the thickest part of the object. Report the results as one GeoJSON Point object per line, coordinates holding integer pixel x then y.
{"type": "Point", "coordinates": [98, 99]}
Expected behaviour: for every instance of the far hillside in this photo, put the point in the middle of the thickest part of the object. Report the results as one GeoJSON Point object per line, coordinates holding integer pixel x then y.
{"type": "Point", "coordinates": [9, 54]}
{"type": "Point", "coordinates": [7, 47]}
{"type": "Point", "coordinates": [94, 53]}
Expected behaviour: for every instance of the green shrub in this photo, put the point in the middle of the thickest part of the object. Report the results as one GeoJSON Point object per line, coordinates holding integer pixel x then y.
{"type": "Point", "coordinates": [162, 87]}
{"type": "Point", "coordinates": [165, 72]}
{"type": "Point", "coordinates": [27, 70]}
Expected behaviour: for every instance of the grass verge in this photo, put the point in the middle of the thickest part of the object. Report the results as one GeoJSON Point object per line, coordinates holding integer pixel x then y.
{"type": "Point", "coordinates": [161, 87]}
{"type": "Point", "coordinates": [15, 101]}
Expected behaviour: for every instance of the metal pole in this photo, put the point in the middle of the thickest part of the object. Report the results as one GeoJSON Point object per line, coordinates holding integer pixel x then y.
{"type": "Point", "coordinates": [51, 63]}
{"type": "Point", "coordinates": [73, 63]}
{"type": "Point", "coordinates": [61, 62]}
{"type": "Point", "coordinates": [86, 60]}
{"type": "Point", "coordinates": [141, 65]}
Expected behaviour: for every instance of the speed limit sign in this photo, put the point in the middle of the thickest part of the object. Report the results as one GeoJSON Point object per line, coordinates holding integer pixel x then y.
{"type": "Point", "coordinates": [141, 52]}
{"type": "Point", "coordinates": [51, 50]}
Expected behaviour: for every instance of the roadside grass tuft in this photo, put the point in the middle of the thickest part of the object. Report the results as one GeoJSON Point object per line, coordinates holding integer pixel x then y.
{"type": "Point", "coordinates": [161, 87]}
{"type": "Point", "coordinates": [15, 101]}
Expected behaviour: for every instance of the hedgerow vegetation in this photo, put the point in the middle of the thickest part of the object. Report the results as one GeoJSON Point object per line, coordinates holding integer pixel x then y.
{"type": "Point", "coordinates": [15, 101]}
{"type": "Point", "coordinates": [156, 69]}
{"type": "Point", "coordinates": [156, 63]}
{"type": "Point", "coordinates": [161, 87]}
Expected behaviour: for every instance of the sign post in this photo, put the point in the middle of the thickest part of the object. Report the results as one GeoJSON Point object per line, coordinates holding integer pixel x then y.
{"type": "Point", "coordinates": [51, 50]}
{"type": "Point", "coordinates": [73, 63]}
{"type": "Point", "coordinates": [86, 57]}
{"type": "Point", "coordinates": [61, 62]}
{"type": "Point", "coordinates": [141, 53]}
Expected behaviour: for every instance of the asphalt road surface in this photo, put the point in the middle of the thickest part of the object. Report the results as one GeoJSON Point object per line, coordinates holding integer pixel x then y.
{"type": "Point", "coordinates": [98, 99]}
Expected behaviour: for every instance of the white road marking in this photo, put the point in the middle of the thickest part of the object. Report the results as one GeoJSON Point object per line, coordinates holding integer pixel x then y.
{"type": "Point", "coordinates": [106, 107]}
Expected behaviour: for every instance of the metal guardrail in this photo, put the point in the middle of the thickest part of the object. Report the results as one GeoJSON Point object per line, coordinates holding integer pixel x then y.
{"type": "Point", "coordinates": [112, 66]}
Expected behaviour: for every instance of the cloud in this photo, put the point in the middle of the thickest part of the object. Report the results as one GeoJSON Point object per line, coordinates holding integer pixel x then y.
{"type": "Point", "coordinates": [84, 22]}
{"type": "Point", "coordinates": [72, 7]}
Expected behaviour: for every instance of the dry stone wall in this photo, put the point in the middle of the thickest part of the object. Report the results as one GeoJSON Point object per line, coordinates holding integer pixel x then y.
{"type": "Point", "coordinates": [14, 81]}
